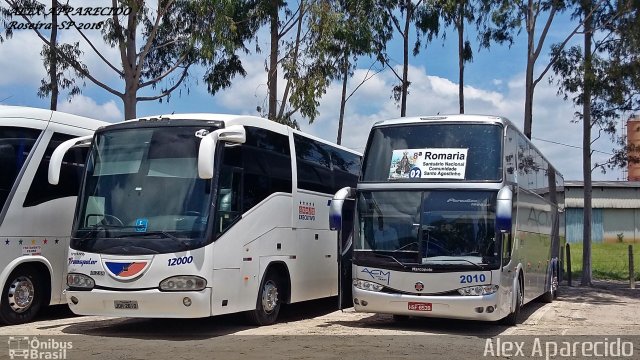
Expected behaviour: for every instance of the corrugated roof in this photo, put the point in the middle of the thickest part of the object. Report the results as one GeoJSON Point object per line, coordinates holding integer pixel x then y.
{"type": "Point", "coordinates": [605, 194]}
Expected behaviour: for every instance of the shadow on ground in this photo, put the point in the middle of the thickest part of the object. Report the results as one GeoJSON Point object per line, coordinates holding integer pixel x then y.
{"type": "Point", "coordinates": [194, 329]}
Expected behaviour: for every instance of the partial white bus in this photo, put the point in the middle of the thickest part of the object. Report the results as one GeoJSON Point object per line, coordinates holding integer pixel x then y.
{"type": "Point", "coordinates": [456, 217]}
{"type": "Point", "coordinates": [195, 215]}
{"type": "Point", "coordinates": [35, 217]}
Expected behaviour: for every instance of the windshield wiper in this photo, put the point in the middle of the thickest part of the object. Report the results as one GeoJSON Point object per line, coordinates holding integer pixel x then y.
{"type": "Point", "coordinates": [392, 258]}
{"type": "Point", "coordinates": [93, 229]}
{"type": "Point", "coordinates": [480, 266]}
{"type": "Point", "coordinates": [164, 234]}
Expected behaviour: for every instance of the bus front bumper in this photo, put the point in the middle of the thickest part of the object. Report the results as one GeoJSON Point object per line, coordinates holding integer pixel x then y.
{"type": "Point", "coordinates": [143, 304]}
{"type": "Point", "coordinates": [484, 307]}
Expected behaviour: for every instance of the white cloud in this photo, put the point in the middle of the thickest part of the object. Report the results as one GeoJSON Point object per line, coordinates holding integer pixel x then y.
{"type": "Point", "coordinates": [86, 106]}
{"type": "Point", "coordinates": [21, 61]}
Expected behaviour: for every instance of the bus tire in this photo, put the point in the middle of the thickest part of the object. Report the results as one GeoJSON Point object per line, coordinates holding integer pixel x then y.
{"type": "Point", "coordinates": [512, 319]}
{"type": "Point", "coordinates": [268, 302]}
{"type": "Point", "coordinates": [548, 296]}
{"type": "Point", "coordinates": [22, 296]}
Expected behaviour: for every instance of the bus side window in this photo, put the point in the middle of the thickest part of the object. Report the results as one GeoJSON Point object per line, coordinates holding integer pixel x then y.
{"type": "Point", "coordinates": [71, 172]}
{"type": "Point", "coordinates": [507, 245]}
{"type": "Point", "coordinates": [228, 208]}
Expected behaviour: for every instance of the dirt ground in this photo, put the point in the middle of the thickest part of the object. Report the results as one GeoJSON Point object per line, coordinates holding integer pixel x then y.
{"type": "Point", "coordinates": [316, 330]}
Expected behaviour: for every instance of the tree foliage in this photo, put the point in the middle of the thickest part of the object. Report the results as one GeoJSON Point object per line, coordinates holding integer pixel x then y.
{"type": "Point", "coordinates": [157, 44]}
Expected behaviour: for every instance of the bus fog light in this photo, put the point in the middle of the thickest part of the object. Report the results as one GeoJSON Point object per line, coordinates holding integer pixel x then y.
{"type": "Point", "coordinates": [367, 285]}
{"type": "Point", "coordinates": [186, 301]}
{"type": "Point", "coordinates": [478, 290]}
{"type": "Point", "coordinates": [356, 301]}
{"type": "Point", "coordinates": [364, 303]}
{"type": "Point", "coordinates": [80, 282]}
{"type": "Point", "coordinates": [183, 283]}
{"type": "Point", "coordinates": [490, 309]}
{"type": "Point", "coordinates": [479, 309]}
{"type": "Point", "coordinates": [74, 300]}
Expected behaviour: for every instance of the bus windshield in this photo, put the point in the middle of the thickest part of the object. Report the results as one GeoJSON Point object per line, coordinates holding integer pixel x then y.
{"type": "Point", "coordinates": [142, 193]}
{"type": "Point", "coordinates": [428, 227]}
{"type": "Point", "coordinates": [434, 152]}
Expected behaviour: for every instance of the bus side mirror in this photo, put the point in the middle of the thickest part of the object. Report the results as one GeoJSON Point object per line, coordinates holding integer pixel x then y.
{"type": "Point", "coordinates": [504, 208]}
{"type": "Point", "coordinates": [335, 209]}
{"type": "Point", "coordinates": [234, 134]}
{"type": "Point", "coordinates": [55, 164]}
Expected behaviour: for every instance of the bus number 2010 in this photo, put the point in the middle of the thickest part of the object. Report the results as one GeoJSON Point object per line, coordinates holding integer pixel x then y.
{"type": "Point", "coordinates": [181, 260]}
{"type": "Point", "coordinates": [468, 279]}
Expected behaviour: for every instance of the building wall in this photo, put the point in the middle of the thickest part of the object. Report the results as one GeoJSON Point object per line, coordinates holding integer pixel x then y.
{"type": "Point", "coordinates": [575, 220]}
{"type": "Point", "coordinates": [621, 221]}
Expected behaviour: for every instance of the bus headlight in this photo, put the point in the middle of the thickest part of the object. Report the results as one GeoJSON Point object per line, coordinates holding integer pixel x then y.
{"type": "Point", "coordinates": [183, 283]}
{"type": "Point", "coordinates": [80, 282]}
{"type": "Point", "coordinates": [478, 290]}
{"type": "Point", "coordinates": [367, 285]}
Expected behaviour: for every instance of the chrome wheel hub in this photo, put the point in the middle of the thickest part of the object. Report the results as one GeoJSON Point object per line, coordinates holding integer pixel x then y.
{"type": "Point", "coordinates": [21, 294]}
{"type": "Point", "coordinates": [269, 297]}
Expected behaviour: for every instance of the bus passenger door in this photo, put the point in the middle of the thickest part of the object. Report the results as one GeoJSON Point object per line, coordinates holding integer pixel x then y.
{"type": "Point", "coordinates": [345, 252]}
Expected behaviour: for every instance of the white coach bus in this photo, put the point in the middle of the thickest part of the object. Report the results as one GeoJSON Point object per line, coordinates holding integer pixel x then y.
{"type": "Point", "coordinates": [456, 217]}
{"type": "Point", "coordinates": [35, 217]}
{"type": "Point", "coordinates": [196, 215]}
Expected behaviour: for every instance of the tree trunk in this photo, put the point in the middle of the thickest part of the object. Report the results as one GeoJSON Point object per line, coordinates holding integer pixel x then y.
{"type": "Point", "coordinates": [405, 63]}
{"type": "Point", "coordinates": [272, 79]}
{"type": "Point", "coordinates": [461, 59]}
{"type": "Point", "coordinates": [343, 99]}
{"type": "Point", "coordinates": [528, 93]}
{"type": "Point", "coordinates": [53, 56]}
{"type": "Point", "coordinates": [586, 148]}
{"type": "Point", "coordinates": [130, 104]}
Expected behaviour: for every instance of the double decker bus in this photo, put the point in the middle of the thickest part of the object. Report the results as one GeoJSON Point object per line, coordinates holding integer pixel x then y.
{"type": "Point", "coordinates": [35, 217]}
{"type": "Point", "coordinates": [456, 216]}
{"type": "Point", "coordinates": [195, 215]}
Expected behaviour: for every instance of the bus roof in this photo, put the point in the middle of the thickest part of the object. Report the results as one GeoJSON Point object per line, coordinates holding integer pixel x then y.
{"type": "Point", "coordinates": [23, 112]}
{"type": "Point", "coordinates": [247, 120]}
{"type": "Point", "coordinates": [444, 118]}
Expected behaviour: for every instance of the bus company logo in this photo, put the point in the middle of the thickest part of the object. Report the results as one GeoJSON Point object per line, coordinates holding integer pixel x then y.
{"type": "Point", "coordinates": [307, 211]}
{"type": "Point", "coordinates": [377, 274]}
{"type": "Point", "coordinates": [25, 347]}
{"type": "Point", "coordinates": [126, 270]}
{"type": "Point", "coordinates": [419, 286]}
{"type": "Point", "coordinates": [82, 262]}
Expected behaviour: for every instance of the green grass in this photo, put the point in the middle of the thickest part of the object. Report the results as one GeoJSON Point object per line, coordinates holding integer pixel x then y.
{"type": "Point", "coordinates": [608, 261]}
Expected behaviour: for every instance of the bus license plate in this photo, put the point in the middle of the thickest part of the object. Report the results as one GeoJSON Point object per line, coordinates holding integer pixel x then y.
{"type": "Point", "coordinates": [419, 306]}
{"type": "Point", "coordinates": [126, 304]}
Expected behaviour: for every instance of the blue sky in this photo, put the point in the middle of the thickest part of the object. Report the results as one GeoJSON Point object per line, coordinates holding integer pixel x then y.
{"type": "Point", "coordinates": [494, 84]}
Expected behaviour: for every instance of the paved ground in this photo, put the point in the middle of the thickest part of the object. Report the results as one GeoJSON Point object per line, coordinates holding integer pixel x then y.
{"type": "Point", "coordinates": [316, 330]}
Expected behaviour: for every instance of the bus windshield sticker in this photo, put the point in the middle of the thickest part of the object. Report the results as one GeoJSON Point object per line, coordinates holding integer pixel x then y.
{"type": "Point", "coordinates": [433, 163]}
{"type": "Point", "coordinates": [141, 225]}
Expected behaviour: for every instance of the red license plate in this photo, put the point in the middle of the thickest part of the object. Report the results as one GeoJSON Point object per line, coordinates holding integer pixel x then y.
{"type": "Point", "coordinates": [419, 306]}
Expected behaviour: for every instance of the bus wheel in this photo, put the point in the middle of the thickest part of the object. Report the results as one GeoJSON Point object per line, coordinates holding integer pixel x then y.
{"type": "Point", "coordinates": [21, 297]}
{"type": "Point", "coordinates": [512, 319]}
{"type": "Point", "coordinates": [548, 296]}
{"type": "Point", "coordinates": [268, 303]}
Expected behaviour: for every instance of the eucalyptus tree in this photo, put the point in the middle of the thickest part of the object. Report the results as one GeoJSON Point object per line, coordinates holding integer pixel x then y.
{"type": "Point", "coordinates": [157, 45]}
{"type": "Point", "coordinates": [602, 77]}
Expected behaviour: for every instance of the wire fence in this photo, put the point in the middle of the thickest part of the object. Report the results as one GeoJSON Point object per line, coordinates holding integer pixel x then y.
{"type": "Point", "coordinates": [609, 261]}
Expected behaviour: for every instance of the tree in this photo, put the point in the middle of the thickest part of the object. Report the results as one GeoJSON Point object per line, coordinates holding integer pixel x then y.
{"type": "Point", "coordinates": [508, 18]}
{"type": "Point", "coordinates": [456, 13]}
{"type": "Point", "coordinates": [60, 76]}
{"type": "Point", "coordinates": [602, 78]}
{"type": "Point", "coordinates": [426, 20]}
{"type": "Point", "coordinates": [176, 35]}
{"type": "Point", "coordinates": [307, 69]}
{"type": "Point", "coordinates": [357, 29]}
